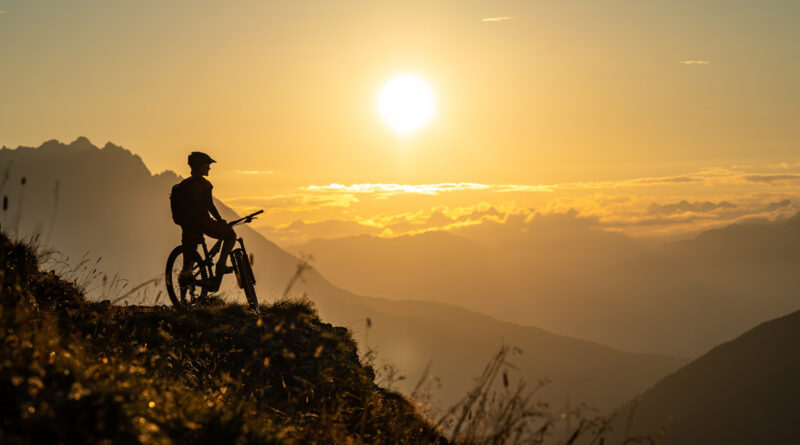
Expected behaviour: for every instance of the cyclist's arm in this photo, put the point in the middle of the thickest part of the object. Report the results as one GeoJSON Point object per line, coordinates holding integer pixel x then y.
{"type": "Point", "coordinates": [214, 212]}
{"type": "Point", "coordinates": [209, 199]}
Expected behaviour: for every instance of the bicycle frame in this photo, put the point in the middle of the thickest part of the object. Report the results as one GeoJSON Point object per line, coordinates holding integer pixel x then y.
{"type": "Point", "coordinates": [208, 255]}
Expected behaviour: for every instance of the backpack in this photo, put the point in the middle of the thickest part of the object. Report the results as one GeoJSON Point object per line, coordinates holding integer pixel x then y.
{"type": "Point", "coordinates": [180, 202]}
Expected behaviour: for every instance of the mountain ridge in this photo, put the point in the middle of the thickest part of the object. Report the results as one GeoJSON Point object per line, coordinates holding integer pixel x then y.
{"type": "Point", "coordinates": [742, 391]}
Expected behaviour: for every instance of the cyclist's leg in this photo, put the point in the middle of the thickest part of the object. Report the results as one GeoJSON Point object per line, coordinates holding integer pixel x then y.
{"type": "Point", "coordinates": [222, 231]}
{"type": "Point", "coordinates": [190, 238]}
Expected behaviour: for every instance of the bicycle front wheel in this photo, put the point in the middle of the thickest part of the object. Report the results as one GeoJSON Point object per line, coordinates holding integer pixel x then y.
{"type": "Point", "coordinates": [244, 274]}
{"type": "Point", "coordinates": [181, 294]}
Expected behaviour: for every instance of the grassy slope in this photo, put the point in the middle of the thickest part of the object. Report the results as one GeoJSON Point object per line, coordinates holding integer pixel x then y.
{"type": "Point", "coordinates": [73, 371]}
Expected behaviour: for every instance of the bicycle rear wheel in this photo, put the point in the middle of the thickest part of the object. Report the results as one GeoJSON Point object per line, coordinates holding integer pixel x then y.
{"type": "Point", "coordinates": [183, 294]}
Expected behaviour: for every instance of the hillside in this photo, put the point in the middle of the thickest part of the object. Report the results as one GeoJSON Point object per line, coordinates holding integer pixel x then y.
{"type": "Point", "coordinates": [73, 371]}
{"type": "Point", "coordinates": [741, 392]}
{"type": "Point", "coordinates": [124, 218]}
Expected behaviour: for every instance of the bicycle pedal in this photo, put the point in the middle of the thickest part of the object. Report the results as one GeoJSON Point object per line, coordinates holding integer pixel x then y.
{"type": "Point", "coordinates": [185, 280]}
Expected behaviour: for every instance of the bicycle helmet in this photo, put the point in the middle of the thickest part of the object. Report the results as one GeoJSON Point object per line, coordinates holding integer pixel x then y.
{"type": "Point", "coordinates": [197, 158]}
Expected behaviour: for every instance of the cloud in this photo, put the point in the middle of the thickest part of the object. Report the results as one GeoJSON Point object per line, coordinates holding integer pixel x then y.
{"type": "Point", "coordinates": [771, 179]}
{"type": "Point", "coordinates": [299, 231]}
{"type": "Point", "coordinates": [691, 222]}
{"type": "Point", "coordinates": [686, 206]}
{"type": "Point", "coordinates": [696, 62]}
{"type": "Point", "coordinates": [496, 19]}
{"type": "Point", "coordinates": [708, 177]}
{"type": "Point", "coordinates": [438, 218]}
{"type": "Point", "coordinates": [669, 180]}
{"type": "Point", "coordinates": [784, 165]}
{"type": "Point", "coordinates": [639, 215]}
{"type": "Point", "coordinates": [442, 217]}
{"type": "Point", "coordinates": [393, 189]}
{"type": "Point", "coordinates": [291, 203]}
{"type": "Point", "coordinates": [521, 188]}
{"type": "Point", "coordinates": [426, 189]}
{"type": "Point", "coordinates": [629, 213]}
{"type": "Point", "coordinates": [686, 216]}
{"type": "Point", "coordinates": [645, 206]}
{"type": "Point", "coordinates": [600, 185]}
{"type": "Point", "coordinates": [254, 172]}
{"type": "Point", "coordinates": [779, 205]}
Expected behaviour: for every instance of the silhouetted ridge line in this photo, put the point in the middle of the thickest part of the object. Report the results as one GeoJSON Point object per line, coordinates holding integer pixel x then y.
{"type": "Point", "coordinates": [743, 391]}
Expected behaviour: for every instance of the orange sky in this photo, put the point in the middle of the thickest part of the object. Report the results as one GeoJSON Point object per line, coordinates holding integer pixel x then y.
{"type": "Point", "coordinates": [552, 93]}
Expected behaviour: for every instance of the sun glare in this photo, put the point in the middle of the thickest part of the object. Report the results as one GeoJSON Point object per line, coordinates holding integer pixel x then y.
{"type": "Point", "coordinates": [406, 103]}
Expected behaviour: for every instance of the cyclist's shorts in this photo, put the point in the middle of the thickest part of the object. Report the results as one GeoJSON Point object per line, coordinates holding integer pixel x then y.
{"type": "Point", "coordinates": [193, 234]}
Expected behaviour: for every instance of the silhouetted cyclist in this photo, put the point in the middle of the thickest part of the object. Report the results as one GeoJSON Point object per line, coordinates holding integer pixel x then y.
{"type": "Point", "coordinates": [192, 208]}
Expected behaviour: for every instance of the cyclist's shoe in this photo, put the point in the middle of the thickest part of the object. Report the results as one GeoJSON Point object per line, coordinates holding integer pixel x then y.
{"type": "Point", "coordinates": [185, 277]}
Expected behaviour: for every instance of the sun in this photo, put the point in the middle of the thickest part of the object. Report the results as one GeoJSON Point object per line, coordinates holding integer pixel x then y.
{"type": "Point", "coordinates": [407, 103]}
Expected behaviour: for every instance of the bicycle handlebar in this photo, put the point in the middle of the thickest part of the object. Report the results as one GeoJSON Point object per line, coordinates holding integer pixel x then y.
{"type": "Point", "coordinates": [247, 218]}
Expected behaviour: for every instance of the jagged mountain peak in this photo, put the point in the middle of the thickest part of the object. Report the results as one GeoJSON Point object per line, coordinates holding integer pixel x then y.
{"type": "Point", "coordinates": [111, 146]}
{"type": "Point", "coordinates": [82, 143]}
{"type": "Point", "coordinates": [169, 175]}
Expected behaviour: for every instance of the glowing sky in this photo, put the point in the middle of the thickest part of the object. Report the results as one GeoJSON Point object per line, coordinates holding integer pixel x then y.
{"type": "Point", "coordinates": [529, 93]}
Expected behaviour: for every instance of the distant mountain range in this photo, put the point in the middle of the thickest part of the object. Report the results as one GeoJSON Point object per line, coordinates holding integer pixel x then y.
{"type": "Point", "coordinates": [741, 392]}
{"type": "Point", "coordinates": [688, 296]}
{"type": "Point", "coordinates": [516, 271]}
{"type": "Point", "coordinates": [557, 272]}
{"type": "Point", "coordinates": [83, 200]}
{"type": "Point", "coordinates": [434, 266]}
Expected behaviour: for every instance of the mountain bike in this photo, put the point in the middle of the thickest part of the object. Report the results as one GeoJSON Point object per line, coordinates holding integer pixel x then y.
{"type": "Point", "coordinates": [182, 294]}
